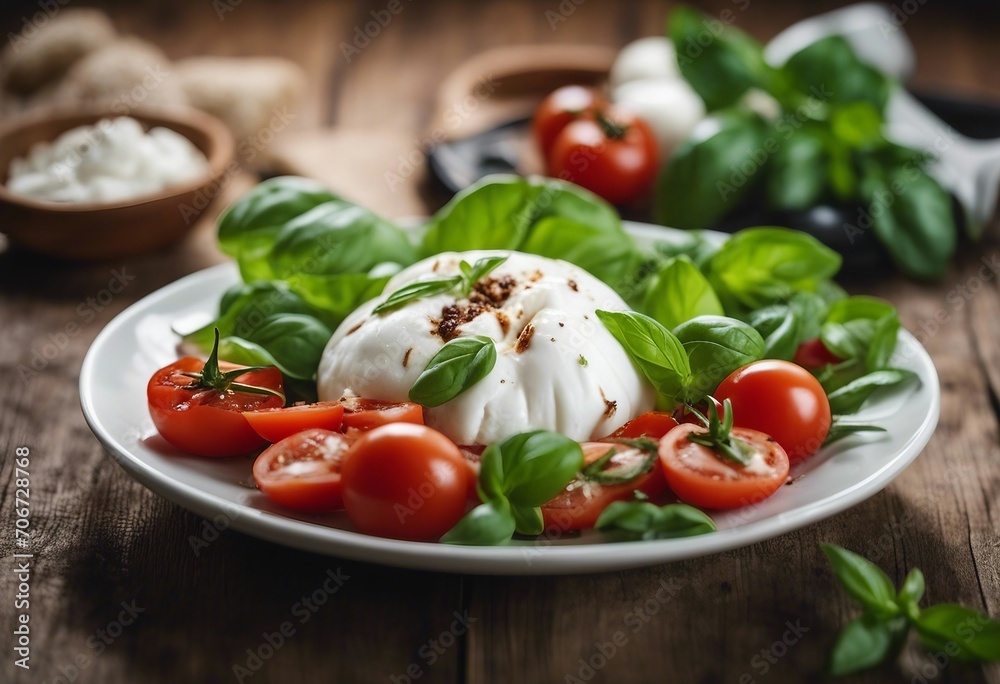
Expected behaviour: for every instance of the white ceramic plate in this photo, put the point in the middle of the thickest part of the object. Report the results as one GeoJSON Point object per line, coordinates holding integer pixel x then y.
{"type": "Point", "coordinates": [137, 342]}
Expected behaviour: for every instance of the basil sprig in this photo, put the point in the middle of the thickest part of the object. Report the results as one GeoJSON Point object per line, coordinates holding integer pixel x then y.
{"type": "Point", "coordinates": [880, 633]}
{"type": "Point", "coordinates": [463, 284]}
{"type": "Point", "coordinates": [459, 365]}
{"type": "Point", "coordinates": [644, 520]}
{"type": "Point", "coordinates": [599, 472]}
{"type": "Point", "coordinates": [516, 477]}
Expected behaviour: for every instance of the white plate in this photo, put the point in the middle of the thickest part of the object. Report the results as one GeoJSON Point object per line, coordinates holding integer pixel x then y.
{"type": "Point", "coordinates": [138, 341]}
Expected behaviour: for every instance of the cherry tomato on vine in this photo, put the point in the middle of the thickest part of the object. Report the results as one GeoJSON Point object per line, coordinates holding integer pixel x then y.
{"type": "Point", "coordinates": [613, 153]}
{"type": "Point", "coordinates": [405, 481]}
{"type": "Point", "coordinates": [558, 109]}
{"type": "Point", "coordinates": [781, 399]}
{"type": "Point", "coordinates": [303, 471]}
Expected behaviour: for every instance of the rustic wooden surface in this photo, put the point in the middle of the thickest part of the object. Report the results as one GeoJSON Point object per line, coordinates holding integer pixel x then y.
{"type": "Point", "coordinates": [101, 539]}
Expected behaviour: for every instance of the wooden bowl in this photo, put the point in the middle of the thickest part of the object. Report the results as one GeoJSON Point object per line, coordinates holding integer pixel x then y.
{"type": "Point", "coordinates": [91, 231]}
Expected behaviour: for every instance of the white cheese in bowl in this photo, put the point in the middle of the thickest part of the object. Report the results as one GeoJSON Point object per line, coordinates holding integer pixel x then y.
{"type": "Point", "coordinates": [112, 161]}
{"type": "Point", "coordinates": [557, 366]}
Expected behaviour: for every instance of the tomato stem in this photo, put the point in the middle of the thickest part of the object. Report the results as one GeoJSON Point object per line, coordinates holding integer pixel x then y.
{"type": "Point", "coordinates": [212, 377]}
{"type": "Point", "coordinates": [719, 437]}
{"type": "Point", "coordinates": [612, 129]}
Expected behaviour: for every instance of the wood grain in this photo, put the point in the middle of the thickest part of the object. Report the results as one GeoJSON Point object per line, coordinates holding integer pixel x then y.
{"type": "Point", "coordinates": [101, 539]}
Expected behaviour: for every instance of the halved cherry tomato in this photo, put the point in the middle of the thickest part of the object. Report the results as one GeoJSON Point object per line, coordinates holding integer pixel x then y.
{"type": "Point", "coordinates": [653, 424]}
{"type": "Point", "coordinates": [275, 425]}
{"type": "Point", "coordinates": [700, 477]}
{"type": "Point", "coordinates": [613, 154]}
{"type": "Point", "coordinates": [559, 108]}
{"type": "Point", "coordinates": [814, 354]}
{"type": "Point", "coordinates": [208, 422]}
{"type": "Point", "coordinates": [781, 399]}
{"type": "Point", "coordinates": [578, 506]}
{"type": "Point", "coordinates": [367, 414]}
{"type": "Point", "coordinates": [405, 481]}
{"type": "Point", "coordinates": [303, 471]}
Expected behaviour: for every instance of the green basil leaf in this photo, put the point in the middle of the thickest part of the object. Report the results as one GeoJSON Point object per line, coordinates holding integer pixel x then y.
{"type": "Point", "coordinates": [238, 350]}
{"type": "Point", "coordinates": [723, 67]}
{"type": "Point", "coordinates": [337, 237]}
{"type": "Point", "coordinates": [852, 396]}
{"type": "Point", "coordinates": [418, 290]}
{"type": "Point", "coordinates": [340, 294]}
{"type": "Point", "coordinates": [696, 245]}
{"type": "Point", "coordinates": [911, 592]}
{"type": "Point", "coordinates": [599, 472]}
{"type": "Point", "coordinates": [610, 255]}
{"type": "Point", "coordinates": [711, 172]}
{"type": "Point", "coordinates": [459, 365]}
{"type": "Point", "coordinates": [248, 227]}
{"type": "Point", "coordinates": [883, 343]}
{"type": "Point", "coordinates": [488, 524]}
{"type": "Point", "coordinates": [479, 270]}
{"type": "Point", "coordinates": [761, 266]}
{"type": "Point", "coordinates": [857, 124]}
{"type": "Point", "coordinates": [716, 346]}
{"type": "Point", "coordinates": [796, 171]}
{"type": "Point", "coordinates": [536, 466]}
{"type": "Point", "coordinates": [679, 292]}
{"type": "Point", "coordinates": [489, 485]}
{"type": "Point", "coordinates": [296, 342]}
{"type": "Point", "coordinates": [859, 306]}
{"type": "Point", "coordinates": [839, 431]}
{"type": "Point", "coordinates": [830, 71]}
{"type": "Point", "coordinates": [912, 216]}
{"type": "Point", "coordinates": [848, 340]}
{"type": "Point", "coordinates": [644, 520]}
{"type": "Point", "coordinates": [810, 312]}
{"type": "Point", "coordinates": [949, 627]}
{"type": "Point", "coordinates": [528, 520]}
{"type": "Point", "coordinates": [863, 580]}
{"type": "Point", "coordinates": [861, 645]}
{"type": "Point", "coordinates": [655, 350]}
{"type": "Point", "coordinates": [779, 327]}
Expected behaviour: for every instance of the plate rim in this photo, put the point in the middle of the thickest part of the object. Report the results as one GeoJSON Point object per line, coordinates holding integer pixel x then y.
{"type": "Point", "coordinates": [530, 559]}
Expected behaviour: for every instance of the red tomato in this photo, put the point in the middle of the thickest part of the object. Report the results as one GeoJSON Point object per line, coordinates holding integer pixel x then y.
{"type": "Point", "coordinates": [275, 425]}
{"type": "Point", "coordinates": [781, 399]}
{"type": "Point", "coordinates": [367, 414]}
{"type": "Point", "coordinates": [405, 481]}
{"type": "Point", "coordinates": [613, 154]}
{"type": "Point", "coordinates": [698, 476]}
{"type": "Point", "coordinates": [652, 424]}
{"type": "Point", "coordinates": [578, 506]}
{"type": "Point", "coordinates": [208, 422]}
{"type": "Point", "coordinates": [558, 109]}
{"type": "Point", "coordinates": [303, 471]}
{"type": "Point", "coordinates": [814, 354]}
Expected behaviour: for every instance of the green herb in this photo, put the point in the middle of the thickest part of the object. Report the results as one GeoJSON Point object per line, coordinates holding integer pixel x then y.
{"type": "Point", "coordinates": [212, 377]}
{"type": "Point", "coordinates": [477, 271]}
{"type": "Point", "coordinates": [778, 325]}
{"type": "Point", "coordinates": [655, 350]}
{"type": "Point", "coordinates": [599, 472]}
{"type": "Point", "coordinates": [459, 365]}
{"type": "Point", "coordinates": [718, 434]}
{"type": "Point", "coordinates": [516, 477]}
{"type": "Point", "coordinates": [716, 346]}
{"type": "Point", "coordinates": [582, 360]}
{"type": "Point", "coordinates": [839, 431]}
{"type": "Point", "coordinates": [462, 284]}
{"type": "Point", "coordinates": [644, 520]}
{"type": "Point", "coordinates": [852, 396]}
{"type": "Point", "coordinates": [678, 292]}
{"type": "Point", "coordinates": [880, 632]}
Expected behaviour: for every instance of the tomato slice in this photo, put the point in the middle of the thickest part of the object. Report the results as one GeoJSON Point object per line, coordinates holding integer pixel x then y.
{"type": "Point", "coordinates": [368, 414]}
{"type": "Point", "coordinates": [208, 422]}
{"type": "Point", "coordinates": [303, 471]}
{"type": "Point", "coordinates": [701, 478]}
{"type": "Point", "coordinates": [276, 424]}
{"type": "Point", "coordinates": [653, 424]}
{"type": "Point", "coordinates": [578, 506]}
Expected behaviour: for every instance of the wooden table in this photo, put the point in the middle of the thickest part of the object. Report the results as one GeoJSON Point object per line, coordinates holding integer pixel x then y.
{"type": "Point", "coordinates": [766, 613]}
